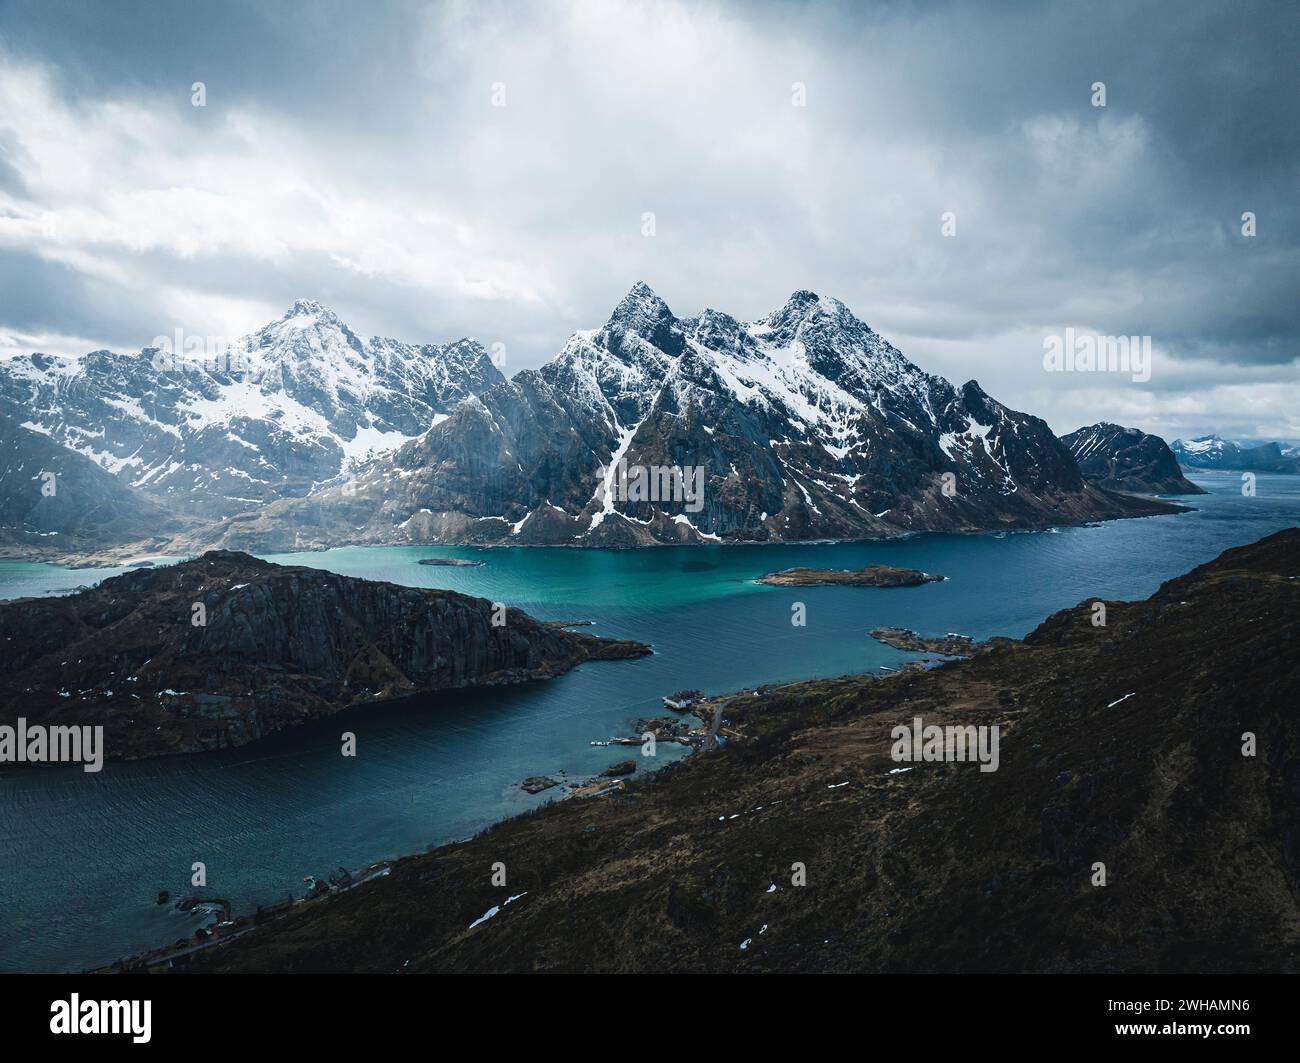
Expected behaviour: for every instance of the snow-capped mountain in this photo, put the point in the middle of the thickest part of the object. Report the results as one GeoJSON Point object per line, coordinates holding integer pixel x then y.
{"type": "Point", "coordinates": [287, 407]}
{"type": "Point", "coordinates": [1127, 459]}
{"type": "Point", "coordinates": [1204, 451]}
{"type": "Point", "coordinates": [805, 424]}
{"type": "Point", "coordinates": [1215, 452]}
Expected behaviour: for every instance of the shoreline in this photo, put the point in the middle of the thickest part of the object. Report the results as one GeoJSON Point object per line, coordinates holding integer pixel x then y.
{"type": "Point", "coordinates": [707, 709]}
{"type": "Point", "coordinates": [236, 926]}
{"type": "Point", "coordinates": [110, 559]}
{"type": "Point", "coordinates": [587, 789]}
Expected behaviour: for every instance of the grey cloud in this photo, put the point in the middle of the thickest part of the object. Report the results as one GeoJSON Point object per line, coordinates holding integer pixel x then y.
{"type": "Point", "coordinates": [1123, 220]}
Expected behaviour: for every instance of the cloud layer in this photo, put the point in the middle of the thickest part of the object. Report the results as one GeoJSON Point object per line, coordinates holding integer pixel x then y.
{"type": "Point", "coordinates": [354, 154]}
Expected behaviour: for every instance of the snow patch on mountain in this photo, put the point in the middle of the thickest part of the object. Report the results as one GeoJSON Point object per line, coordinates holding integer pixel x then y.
{"type": "Point", "coordinates": [297, 403]}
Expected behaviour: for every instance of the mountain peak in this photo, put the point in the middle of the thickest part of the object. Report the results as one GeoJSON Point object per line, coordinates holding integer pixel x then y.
{"type": "Point", "coordinates": [804, 306]}
{"type": "Point", "coordinates": [641, 305]}
{"type": "Point", "coordinates": [642, 313]}
{"type": "Point", "coordinates": [310, 308]}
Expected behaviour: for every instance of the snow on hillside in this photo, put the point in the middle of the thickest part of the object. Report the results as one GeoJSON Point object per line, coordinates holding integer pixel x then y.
{"type": "Point", "coordinates": [294, 404]}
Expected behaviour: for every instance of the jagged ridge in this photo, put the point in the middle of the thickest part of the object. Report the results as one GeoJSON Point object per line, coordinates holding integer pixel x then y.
{"type": "Point", "coordinates": [808, 425]}
{"type": "Point", "coordinates": [279, 411]}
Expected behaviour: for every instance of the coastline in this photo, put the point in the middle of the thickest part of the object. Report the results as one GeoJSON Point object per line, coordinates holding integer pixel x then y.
{"type": "Point", "coordinates": [129, 554]}
{"type": "Point", "coordinates": [806, 762]}
{"type": "Point", "coordinates": [236, 924]}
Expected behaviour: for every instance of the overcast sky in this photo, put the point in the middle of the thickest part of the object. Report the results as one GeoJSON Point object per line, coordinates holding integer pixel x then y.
{"type": "Point", "coordinates": [352, 153]}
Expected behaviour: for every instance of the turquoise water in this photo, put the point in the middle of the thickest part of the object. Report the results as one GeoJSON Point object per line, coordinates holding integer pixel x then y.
{"type": "Point", "coordinates": [82, 857]}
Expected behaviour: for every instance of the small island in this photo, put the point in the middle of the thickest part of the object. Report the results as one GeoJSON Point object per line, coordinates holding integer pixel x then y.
{"type": "Point", "coordinates": [867, 576]}
{"type": "Point", "coordinates": [950, 645]}
{"type": "Point", "coordinates": [453, 562]}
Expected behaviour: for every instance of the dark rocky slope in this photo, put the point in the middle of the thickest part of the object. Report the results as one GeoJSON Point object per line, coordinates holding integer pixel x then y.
{"type": "Point", "coordinates": [281, 645]}
{"type": "Point", "coordinates": [1128, 459]}
{"type": "Point", "coordinates": [940, 868]}
{"type": "Point", "coordinates": [85, 509]}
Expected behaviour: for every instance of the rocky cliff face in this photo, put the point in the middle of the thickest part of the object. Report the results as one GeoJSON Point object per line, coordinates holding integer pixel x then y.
{"type": "Point", "coordinates": [1120, 745]}
{"type": "Point", "coordinates": [1127, 459]}
{"type": "Point", "coordinates": [278, 646]}
{"type": "Point", "coordinates": [216, 432]}
{"type": "Point", "coordinates": [803, 425]}
{"type": "Point", "coordinates": [56, 504]}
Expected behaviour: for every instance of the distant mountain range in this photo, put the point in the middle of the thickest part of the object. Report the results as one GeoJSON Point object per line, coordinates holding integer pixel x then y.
{"type": "Point", "coordinates": [1214, 452]}
{"type": "Point", "coordinates": [803, 425]}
